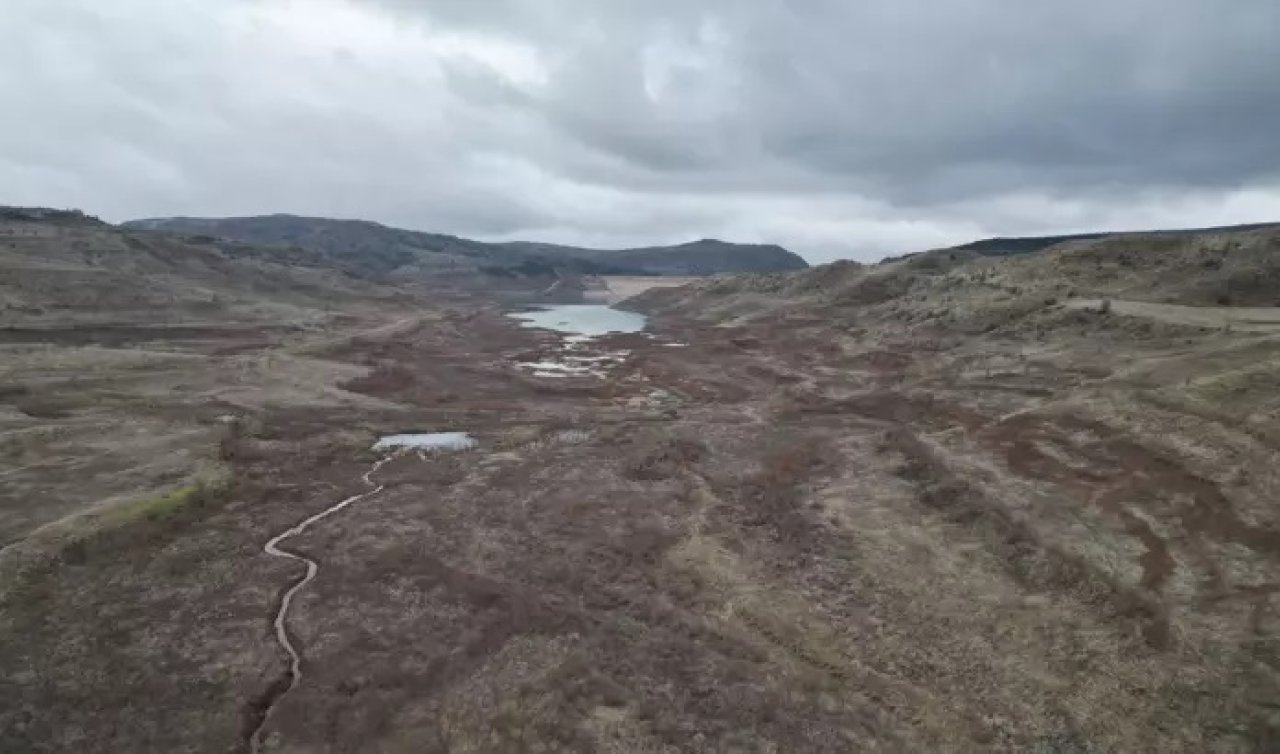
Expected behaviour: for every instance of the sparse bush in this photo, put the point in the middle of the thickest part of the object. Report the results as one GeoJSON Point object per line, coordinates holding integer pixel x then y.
{"type": "Point", "coordinates": [663, 458]}
{"type": "Point", "coordinates": [197, 494]}
{"type": "Point", "coordinates": [232, 442]}
{"type": "Point", "coordinates": [75, 553]}
{"type": "Point", "coordinates": [787, 464]}
{"type": "Point", "coordinates": [10, 392]}
{"type": "Point", "coordinates": [386, 377]}
{"type": "Point", "coordinates": [1105, 306]}
{"type": "Point", "coordinates": [773, 494]}
{"type": "Point", "coordinates": [43, 408]}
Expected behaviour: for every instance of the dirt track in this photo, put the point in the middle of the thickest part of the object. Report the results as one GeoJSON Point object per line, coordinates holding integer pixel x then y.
{"type": "Point", "coordinates": [1242, 318]}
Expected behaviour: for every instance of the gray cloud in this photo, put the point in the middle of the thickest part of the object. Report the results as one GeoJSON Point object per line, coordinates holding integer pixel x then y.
{"type": "Point", "coordinates": [838, 129]}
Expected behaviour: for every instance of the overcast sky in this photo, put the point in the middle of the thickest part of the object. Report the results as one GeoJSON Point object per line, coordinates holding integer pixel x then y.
{"type": "Point", "coordinates": [835, 128]}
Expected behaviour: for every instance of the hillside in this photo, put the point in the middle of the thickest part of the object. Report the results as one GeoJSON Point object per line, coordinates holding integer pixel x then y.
{"type": "Point", "coordinates": [372, 248]}
{"type": "Point", "coordinates": [1029, 244]}
{"type": "Point", "coordinates": [1234, 267]}
{"type": "Point", "coordinates": [949, 502]}
{"type": "Point", "coordinates": [1077, 455]}
{"type": "Point", "coordinates": [120, 349]}
{"type": "Point", "coordinates": [64, 267]}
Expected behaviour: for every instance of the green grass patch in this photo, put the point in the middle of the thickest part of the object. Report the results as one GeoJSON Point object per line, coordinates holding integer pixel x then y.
{"type": "Point", "coordinates": [167, 504]}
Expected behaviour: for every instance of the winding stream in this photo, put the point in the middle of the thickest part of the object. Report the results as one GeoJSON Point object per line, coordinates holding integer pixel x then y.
{"type": "Point", "coordinates": [282, 615]}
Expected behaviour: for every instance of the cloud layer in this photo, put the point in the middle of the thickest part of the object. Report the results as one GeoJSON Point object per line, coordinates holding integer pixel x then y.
{"type": "Point", "coordinates": [840, 130]}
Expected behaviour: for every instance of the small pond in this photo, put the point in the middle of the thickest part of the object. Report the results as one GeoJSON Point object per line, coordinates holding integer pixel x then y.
{"type": "Point", "coordinates": [427, 441]}
{"type": "Point", "coordinates": [583, 320]}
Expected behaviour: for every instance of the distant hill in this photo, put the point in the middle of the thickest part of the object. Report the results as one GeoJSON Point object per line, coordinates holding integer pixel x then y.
{"type": "Point", "coordinates": [374, 249]}
{"type": "Point", "coordinates": [59, 266]}
{"type": "Point", "coordinates": [705, 257]}
{"type": "Point", "coordinates": [1029, 244]}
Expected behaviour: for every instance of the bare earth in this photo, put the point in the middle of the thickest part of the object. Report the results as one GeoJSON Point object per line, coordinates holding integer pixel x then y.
{"type": "Point", "coordinates": [1244, 318]}
{"type": "Point", "coordinates": [611, 289]}
{"type": "Point", "coordinates": [901, 508]}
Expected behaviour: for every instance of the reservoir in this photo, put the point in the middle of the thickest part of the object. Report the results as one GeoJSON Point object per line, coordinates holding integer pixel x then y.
{"type": "Point", "coordinates": [582, 320]}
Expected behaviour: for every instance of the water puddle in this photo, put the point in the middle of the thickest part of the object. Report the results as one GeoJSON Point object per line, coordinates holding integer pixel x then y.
{"type": "Point", "coordinates": [558, 369]}
{"type": "Point", "coordinates": [427, 441]}
{"type": "Point", "coordinates": [582, 321]}
{"type": "Point", "coordinates": [573, 436]}
{"type": "Point", "coordinates": [570, 363]}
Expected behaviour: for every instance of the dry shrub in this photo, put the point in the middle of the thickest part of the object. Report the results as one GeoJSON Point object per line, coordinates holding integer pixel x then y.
{"type": "Point", "coordinates": [647, 542]}
{"type": "Point", "coordinates": [231, 444]}
{"type": "Point", "coordinates": [772, 497]}
{"type": "Point", "coordinates": [1031, 561]}
{"type": "Point", "coordinates": [655, 458]}
{"type": "Point", "coordinates": [44, 408]}
{"type": "Point", "coordinates": [12, 391]}
{"type": "Point", "coordinates": [786, 465]}
{"type": "Point", "coordinates": [242, 438]}
{"type": "Point", "coordinates": [385, 378]}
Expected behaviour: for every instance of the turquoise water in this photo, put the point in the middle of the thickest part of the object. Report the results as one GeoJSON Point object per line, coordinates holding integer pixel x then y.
{"type": "Point", "coordinates": [582, 319]}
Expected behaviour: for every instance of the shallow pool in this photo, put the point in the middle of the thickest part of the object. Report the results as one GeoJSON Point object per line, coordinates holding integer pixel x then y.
{"type": "Point", "coordinates": [589, 320]}
{"type": "Point", "coordinates": [427, 441]}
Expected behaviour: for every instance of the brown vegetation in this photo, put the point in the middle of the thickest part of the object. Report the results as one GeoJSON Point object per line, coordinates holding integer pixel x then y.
{"type": "Point", "coordinates": [930, 505]}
